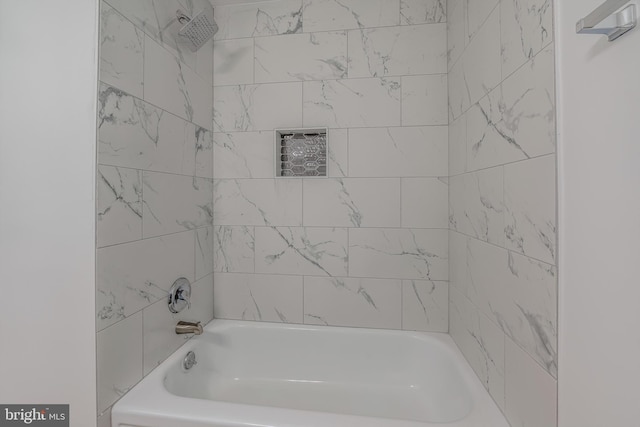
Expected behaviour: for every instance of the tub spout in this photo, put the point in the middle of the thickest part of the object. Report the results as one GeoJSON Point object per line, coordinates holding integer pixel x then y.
{"type": "Point", "coordinates": [189, 328]}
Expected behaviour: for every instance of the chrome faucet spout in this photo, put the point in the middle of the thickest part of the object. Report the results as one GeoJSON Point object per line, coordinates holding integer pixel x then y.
{"type": "Point", "coordinates": [189, 328]}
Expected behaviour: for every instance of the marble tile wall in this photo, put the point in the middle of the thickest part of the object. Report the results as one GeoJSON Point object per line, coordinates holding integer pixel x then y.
{"type": "Point", "coordinates": [502, 201]}
{"type": "Point", "coordinates": [154, 187]}
{"type": "Point", "coordinates": [367, 246]}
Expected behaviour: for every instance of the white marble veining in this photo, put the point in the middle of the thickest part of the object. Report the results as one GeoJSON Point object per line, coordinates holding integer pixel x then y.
{"type": "Point", "coordinates": [398, 253]}
{"type": "Point", "coordinates": [302, 251]}
{"type": "Point", "coordinates": [263, 297]}
{"type": "Point", "coordinates": [458, 271]}
{"type": "Point", "coordinates": [478, 70]}
{"type": "Point", "coordinates": [119, 360]}
{"type": "Point", "coordinates": [424, 203]}
{"type": "Point", "coordinates": [400, 50]}
{"type": "Point", "coordinates": [338, 153]}
{"type": "Point", "coordinates": [425, 306]}
{"type": "Point", "coordinates": [134, 134]}
{"type": "Point", "coordinates": [530, 207]}
{"type": "Point", "coordinates": [482, 343]}
{"type": "Point", "coordinates": [329, 15]}
{"type": "Point", "coordinates": [233, 62]}
{"type": "Point", "coordinates": [234, 249]}
{"type": "Point", "coordinates": [352, 102]}
{"type": "Point", "coordinates": [368, 303]}
{"type": "Point", "coordinates": [424, 100]}
{"type": "Point", "coordinates": [517, 120]}
{"type": "Point", "coordinates": [243, 155]}
{"type": "Point", "coordinates": [476, 13]}
{"type": "Point", "coordinates": [119, 205]}
{"type": "Point", "coordinates": [476, 205]}
{"type": "Point", "coordinates": [349, 202]}
{"type": "Point", "coordinates": [527, 27]}
{"type": "Point", "coordinates": [173, 203]}
{"type": "Point", "coordinates": [258, 202]}
{"type": "Point", "coordinates": [413, 12]}
{"type": "Point", "coordinates": [456, 38]}
{"type": "Point", "coordinates": [130, 276]}
{"type": "Point", "coordinates": [526, 383]}
{"type": "Point", "coordinates": [204, 251]}
{"type": "Point", "coordinates": [204, 153]}
{"type": "Point", "coordinates": [160, 339]}
{"type": "Point", "coordinates": [259, 19]}
{"type": "Point", "coordinates": [257, 107]}
{"type": "Point", "coordinates": [312, 56]}
{"type": "Point", "coordinates": [121, 52]}
{"type": "Point", "coordinates": [398, 152]}
{"type": "Point", "coordinates": [170, 85]}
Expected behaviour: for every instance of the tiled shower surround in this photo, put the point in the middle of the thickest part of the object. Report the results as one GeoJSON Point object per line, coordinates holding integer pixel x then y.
{"type": "Point", "coordinates": [366, 246]}
{"type": "Point", "coordinates": [502, 201]}
{"type": "Point", "coordinates": [155, 189]}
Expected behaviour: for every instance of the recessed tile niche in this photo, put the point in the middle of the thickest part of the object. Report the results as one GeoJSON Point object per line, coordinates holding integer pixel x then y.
{"type": "Point", "coordinates": [301, 152]}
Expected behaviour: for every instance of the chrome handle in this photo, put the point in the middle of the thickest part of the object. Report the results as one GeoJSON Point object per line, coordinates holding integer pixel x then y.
{"type": "Point", "coordinates": [189, 328]}
{"type": "Point", "coordinates": [605, 20]}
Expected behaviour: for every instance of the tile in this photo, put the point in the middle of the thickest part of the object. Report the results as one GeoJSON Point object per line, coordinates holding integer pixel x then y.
{"type": "Point", "coordinates": [458, 268]}
{"type": "Point", "coordinates": [366, 303]}
{"type": "Point", "coordinates": [233, 62]}
{"type": "Point", "coordinates": [529, 315]}
{"type": "Point", "coordinates": [311, 56]}
{"type": "Point", "coordinates": [119, 350]}
{"type": "Point", "coordinates": [338, 150]}
{"type": "Point", "coordinates": [160, 339]}
{"type": "Point", "coordinates": [157, 19]}
{"type": "Point", "coordinates": [398, 253]}
{"type": "Point", "coordinates": [350, 202]}
{"type": "Point", "coordinates": [121, 52]}
{"type": "Point", "coordinates": [425, 306]}
{"type": "Point", "coordinates": [135, 134]}
{"type": "Point", "coordinates": [259, 19]}
{"type": "Point", "coordinates": [476, 205]}
{"type": "Point", "coordinates": [258, 202]}
{"type": "Point", "coordinates": [413, 12]}
{"type": "Point", "coordinates": [424, 100]}
{"type": "Point", "coordinates": [328, 15]}
{"type": "Point", "coordinates": [476, 14]}
{"type": "Point", "coordinates": [481, 343]}
{"type": "Point", "coordinates": [531, 393]}
{"type": "Point", "coordinates": [398, 152]}
{"type": "Point", "coordinates": [397, 51]}
{"type": "Point", "coordinates": [527, 27]}
{"type": "Point", "coordinates": [352, 102]}
{"type": "Point", "coordinates": [244, 155]}
{"type": "Point", "coordinates": [174, 203]}
{"type": "Point", "coordinates": [104, 419]}
{"type": "Point", "coordinates": [424, 203]}
{"type": "Point", "coordinates": [204, 251]}
{"type": "Point", "coordinates": [517, 120]}
{"type": "Point", "coordinates": [530, 207]}
{"type": "Point", "coordinates": [301, 251]}
{"type": "Point", "coordinates": [234, 249]}
{"type": "Point", "coordinates": [129, 276]}
{"type": "Point", "coordinates": [171, 85]}
{"type": "Point", "coordinates": [485, 269]}
{"type": "Point", "coordinates": [478, 70]}
{"type": "Point", "coordinates": [257, 107]}
{"type": "Point", "coordinates": [458, 146]}
{"type": "Point", "coordinates": [119, 205]}
{"type": "Point", "coordinates": [262, 297]}
{"type": "Point", "coordinates": [204, 153]}
{"type": "Point", "coordinates": [456, 28]}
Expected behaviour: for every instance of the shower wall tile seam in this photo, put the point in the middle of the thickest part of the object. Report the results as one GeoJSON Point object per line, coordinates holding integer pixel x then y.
{"type": "Point", "coordinates": [383, 77]}
{"type": "Point", "coordinates": [501, 165]}
{"type": "Point", "coordinates": [157, 107]}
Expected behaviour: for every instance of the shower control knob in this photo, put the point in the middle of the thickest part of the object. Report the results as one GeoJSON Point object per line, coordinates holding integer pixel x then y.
{"type": "Point", "coordinates": [180, 295]}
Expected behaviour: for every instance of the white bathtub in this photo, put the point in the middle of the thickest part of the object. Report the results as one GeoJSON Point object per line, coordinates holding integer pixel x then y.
{"type": "Point", "coordinates": [262, 374]}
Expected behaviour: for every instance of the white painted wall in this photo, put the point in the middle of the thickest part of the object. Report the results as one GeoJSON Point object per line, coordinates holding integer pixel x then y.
{"type": "Point", "coordinates": [48, 86]}
{"type": "Point", "coordinates": [599, 163]}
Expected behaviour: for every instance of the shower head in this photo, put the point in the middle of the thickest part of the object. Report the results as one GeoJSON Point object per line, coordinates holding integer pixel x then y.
{"type": "Point", "coordinates": [197, 30]}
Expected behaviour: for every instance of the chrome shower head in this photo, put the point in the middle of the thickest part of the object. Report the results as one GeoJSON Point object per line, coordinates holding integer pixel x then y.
{"type": "Point", "coordinates": [197, 30]}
